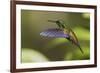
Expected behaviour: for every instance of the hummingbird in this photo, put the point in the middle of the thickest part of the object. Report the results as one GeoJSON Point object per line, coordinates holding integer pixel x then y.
{"type": "Point", "coordinates": [63, 31]}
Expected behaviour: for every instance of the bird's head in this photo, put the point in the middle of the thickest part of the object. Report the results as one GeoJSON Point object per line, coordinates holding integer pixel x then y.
{"type": "Point", "coordinates": [60, 23]}
{"type": "Point", "coordinates": [56, 21]}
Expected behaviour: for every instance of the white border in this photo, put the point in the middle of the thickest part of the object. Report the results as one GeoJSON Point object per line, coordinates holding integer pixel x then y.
{"type": "Point", "coordinates": [20, 65]}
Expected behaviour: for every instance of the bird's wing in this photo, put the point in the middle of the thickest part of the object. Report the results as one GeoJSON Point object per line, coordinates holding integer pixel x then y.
{"type": "Point", "coordinates": [73, 37]}
{"type": "Point", "coordinates": [75, 40]}
{"type": "Point", "coordinates": [54, 32]}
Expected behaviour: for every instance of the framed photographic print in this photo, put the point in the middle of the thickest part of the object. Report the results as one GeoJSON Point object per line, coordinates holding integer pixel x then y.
{"type": "Point", "coordinates": [52, 36]}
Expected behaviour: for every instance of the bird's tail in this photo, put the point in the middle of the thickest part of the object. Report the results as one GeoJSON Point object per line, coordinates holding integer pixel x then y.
{"type": "Point", "coordinates": [81, 49]}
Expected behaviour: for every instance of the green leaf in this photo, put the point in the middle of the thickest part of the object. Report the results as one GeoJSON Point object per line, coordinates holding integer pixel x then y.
{"type": "Point", "coordinates": [30, 55]}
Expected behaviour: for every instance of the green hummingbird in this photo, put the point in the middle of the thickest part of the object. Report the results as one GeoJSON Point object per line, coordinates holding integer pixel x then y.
{"type": "Point", "coordinates": [63, 31]}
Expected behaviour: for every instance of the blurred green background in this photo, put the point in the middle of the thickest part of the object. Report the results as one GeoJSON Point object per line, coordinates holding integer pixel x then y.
{"type": "Point", "coordinates": [36, 48]}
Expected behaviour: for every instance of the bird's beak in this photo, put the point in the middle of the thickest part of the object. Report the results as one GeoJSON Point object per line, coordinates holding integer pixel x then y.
{"type": "Point", "coordinates": [52, 21]}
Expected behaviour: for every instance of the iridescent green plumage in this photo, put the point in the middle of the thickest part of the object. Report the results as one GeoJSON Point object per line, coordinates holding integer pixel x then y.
{"type": "Point", "coordinates": [67, 30]}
